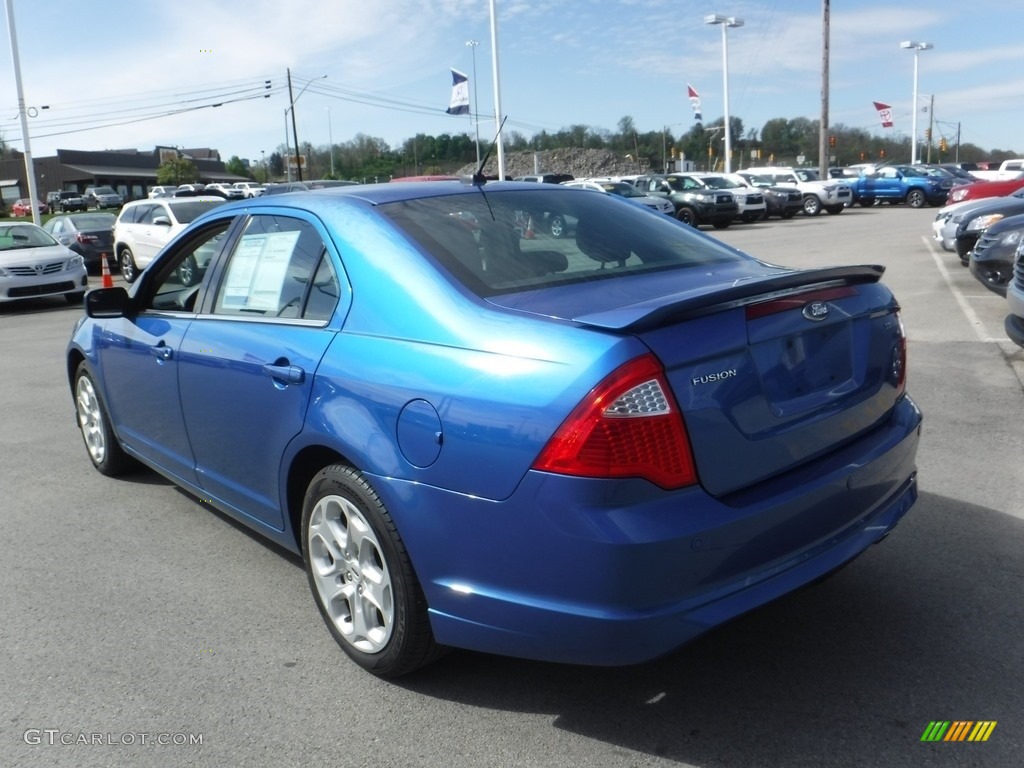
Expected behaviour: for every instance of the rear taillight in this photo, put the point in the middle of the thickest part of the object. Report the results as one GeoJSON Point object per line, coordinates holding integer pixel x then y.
{"type": "Point", "coordinates": [84, 239]}
{"type": "Point", "coordinates": [899, 357]}
{"type": "Point", "coordinates": [627, 426]}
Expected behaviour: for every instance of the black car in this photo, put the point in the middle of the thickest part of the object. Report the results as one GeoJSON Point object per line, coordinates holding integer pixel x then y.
{"type": "Point", "coordinates": [993, 255]}
{"type": "Point", "coordinates": [784, 202]}
{"type": "Point", "coordinates": [695, 202]}
{"type": "Point", "coordinates": [974, 226]}
{"type": "Point", "coordinates": [88, 234]}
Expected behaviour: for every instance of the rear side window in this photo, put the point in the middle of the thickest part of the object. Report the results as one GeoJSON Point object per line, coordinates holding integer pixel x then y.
{"type": "Point", "coordinates": [511, 241]}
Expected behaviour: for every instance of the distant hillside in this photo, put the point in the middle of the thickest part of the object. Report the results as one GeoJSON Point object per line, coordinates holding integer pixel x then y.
{"type": "Point", "coordinates": [579, 162]}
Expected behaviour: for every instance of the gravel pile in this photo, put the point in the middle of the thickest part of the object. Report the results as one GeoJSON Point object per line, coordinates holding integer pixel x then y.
{"type": "Point", "coordinates": [581, 163]}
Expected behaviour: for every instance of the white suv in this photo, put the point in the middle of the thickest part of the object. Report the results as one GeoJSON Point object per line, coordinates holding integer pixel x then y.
{"type": "Point", "coordinates": [749, 200]}
{"type": "Point", "coordinates": [144, 226]}
{"type": "Point", "coordinates": [249, 188]}
{"type": "Point", "coordinates": [830, 195]}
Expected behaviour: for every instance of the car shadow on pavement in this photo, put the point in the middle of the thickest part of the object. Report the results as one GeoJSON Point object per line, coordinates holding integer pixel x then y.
{"type": "Point", "coordinates": [926, 626]}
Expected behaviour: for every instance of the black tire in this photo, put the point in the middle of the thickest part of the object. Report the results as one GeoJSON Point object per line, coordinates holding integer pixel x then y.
{"type": "Point", "coordinates": [721, 223]}
{"type": "Point", "coordinates": [126, 264]}
{"type": "Point", "coordinates": [866, 202]}
{"type": "Point", "coordinates": [788, 214]}
{"type": "Point", "coordinates": [834, 210]}
{"type": "Point", "coordinates": [188, 272]}
{"type": "Point", "coordinates": [556, 226]}
{"type": "Point", "coordinates": [340, 506]}
{"type": "Point", "coordinates": [749, 218]}
{"type": "Point", "coordinates": [101, 445]}
{"type": "Point", "coordinates": [812, 205]}
{"type": "Point", "coordinates": [687, 216]}
{"type": "Point", "coordinates": [74, 298]}
{"type": "Point", "coordinates": [916, 199]}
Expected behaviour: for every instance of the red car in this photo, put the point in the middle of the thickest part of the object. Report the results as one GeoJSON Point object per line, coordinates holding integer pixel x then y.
{"type": "Point", "coordinates": [23, 207]}
{"type": "Point", "coordinates": [981, 189]}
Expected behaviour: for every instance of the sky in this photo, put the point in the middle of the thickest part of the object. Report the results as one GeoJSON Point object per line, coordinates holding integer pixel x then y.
{"type": "Point", "coordinates": [138, 74]}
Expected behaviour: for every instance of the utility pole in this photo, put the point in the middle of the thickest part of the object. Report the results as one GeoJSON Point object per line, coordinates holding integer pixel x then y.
{"type": "Point", "coordinates": [823, 158]}
{"type": "Point", "coordinates": [931, 124]}
{"type": "Point", "coordinates": [295, 131]}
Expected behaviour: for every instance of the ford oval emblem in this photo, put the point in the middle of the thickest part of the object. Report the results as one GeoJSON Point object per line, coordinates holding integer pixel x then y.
{"type": "Point", "coordinates": [816, 310]}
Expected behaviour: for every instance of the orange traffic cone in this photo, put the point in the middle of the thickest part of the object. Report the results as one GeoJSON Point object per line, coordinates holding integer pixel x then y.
{"type": "Point", "coordinates": [107, 280]}
{"type": "Point", "coordinates": [530, 234]}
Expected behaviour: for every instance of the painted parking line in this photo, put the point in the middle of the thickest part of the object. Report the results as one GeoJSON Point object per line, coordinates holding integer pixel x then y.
{"type": "Point", "coordinates": [972, 318]}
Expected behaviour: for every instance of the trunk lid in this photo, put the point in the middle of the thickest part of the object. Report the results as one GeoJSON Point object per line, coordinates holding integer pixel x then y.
{"type": "Point", "coordinates": [772, 372]}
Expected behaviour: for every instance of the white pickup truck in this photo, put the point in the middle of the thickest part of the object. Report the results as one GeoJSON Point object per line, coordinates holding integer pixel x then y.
{"type": "Point", "coordinates": [829, 194]}
{"type": "Point", "coordinates": [1008, 169]}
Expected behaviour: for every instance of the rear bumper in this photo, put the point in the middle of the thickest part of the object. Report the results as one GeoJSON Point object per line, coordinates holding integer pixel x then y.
{"type": "Point", "coordinates": [591, 572]}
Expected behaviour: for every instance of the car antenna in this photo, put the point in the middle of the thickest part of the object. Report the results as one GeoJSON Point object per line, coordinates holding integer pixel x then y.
{"type": "Point", "coordinates": [478, 177]}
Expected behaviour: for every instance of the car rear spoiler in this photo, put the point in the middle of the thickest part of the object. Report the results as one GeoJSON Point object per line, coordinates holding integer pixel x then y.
{"type": "Point", "coordinates": [655, 312]}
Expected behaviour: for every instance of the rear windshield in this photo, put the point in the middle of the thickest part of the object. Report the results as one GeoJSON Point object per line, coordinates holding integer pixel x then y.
{"type": "Point", "coordinates": [511, 241]}
{"type": "Point", "coordinates": [185, 212]}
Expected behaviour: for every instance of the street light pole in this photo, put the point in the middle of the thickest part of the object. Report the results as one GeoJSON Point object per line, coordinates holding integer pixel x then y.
{"type": "Point", "coordinates": [726, 22]}
{"type": "Point", "coordinates": [917, 47]}
{"type": "Point", "coordinates": [474, 109]}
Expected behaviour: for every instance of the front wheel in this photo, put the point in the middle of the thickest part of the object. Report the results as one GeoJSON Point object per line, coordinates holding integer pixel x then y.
{"type": "Point", "coordinates": [812, 205]}
{"type": "Point", "coordinates": [916, 199]}
{"type": "Point", "coordinates": [126, 263]}
{"type": "Point", "coordinates": [361, 576]}
{"type": "Point", "coordinates": [104, 451]}
{"type": "Point", "coordinates": [833, 210]}
{"type": "Point", "coordinates": [687, 216]}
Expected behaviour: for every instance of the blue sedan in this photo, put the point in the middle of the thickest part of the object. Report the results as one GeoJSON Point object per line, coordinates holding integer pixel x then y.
{"type": "Point", "coordinates": [587, 449]}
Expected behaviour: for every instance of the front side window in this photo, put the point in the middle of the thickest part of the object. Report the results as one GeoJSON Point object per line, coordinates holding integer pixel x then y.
{"type": "Point", "coordinates": [278, 269]}
{"type": "Point", "coordinates": [180, 275]}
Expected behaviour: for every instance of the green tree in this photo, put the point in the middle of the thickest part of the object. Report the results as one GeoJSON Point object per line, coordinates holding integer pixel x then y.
{"type": "Point", "coordinates": [237, 167]}
{"type": "Point", "coordinates": [180, 170]}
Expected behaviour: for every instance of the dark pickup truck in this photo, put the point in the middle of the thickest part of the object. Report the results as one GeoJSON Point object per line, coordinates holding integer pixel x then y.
{"type": "Point", "coordinates": [64, 201]}
{"type": "Point", "coordinates": [695, 203]}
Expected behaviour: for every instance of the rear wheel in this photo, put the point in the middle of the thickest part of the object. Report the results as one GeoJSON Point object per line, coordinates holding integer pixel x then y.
{"type": "Point", "coordinates": [126, 263]}
{"type": "Point", "coordinates": [188, 272]}
{"type": "Point", "coordinates": [812, 205]}
{"type": "Point", "coordinates": [361, 576]}
{"type": "Point", "coordinates": [866, 202]}
{"type": "Point", "coordinates": [832, 210]}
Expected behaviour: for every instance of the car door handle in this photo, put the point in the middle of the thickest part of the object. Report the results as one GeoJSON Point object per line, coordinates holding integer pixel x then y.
{"type": "Point", "coordinates": [287, 374]}
{"type": "Point", "coordinates": [162, 351]}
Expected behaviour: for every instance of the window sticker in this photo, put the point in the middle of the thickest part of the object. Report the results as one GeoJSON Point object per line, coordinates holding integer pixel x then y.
{"type": "Point", "coordinates": [256, 272]}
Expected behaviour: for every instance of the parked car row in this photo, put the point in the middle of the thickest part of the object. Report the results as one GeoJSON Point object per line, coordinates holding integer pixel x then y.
{"type": "Point", "coordinates": [987, 234]}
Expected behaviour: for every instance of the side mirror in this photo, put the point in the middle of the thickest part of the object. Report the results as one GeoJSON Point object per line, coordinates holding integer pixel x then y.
{"type": "Point", "coordinates": [162, 221]}
{"type": "Point", "coordinates": [107, 302]}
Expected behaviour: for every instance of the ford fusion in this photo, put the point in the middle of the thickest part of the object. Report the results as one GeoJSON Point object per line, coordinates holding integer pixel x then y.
{"type": "Point", "coordinates": [587, 449]}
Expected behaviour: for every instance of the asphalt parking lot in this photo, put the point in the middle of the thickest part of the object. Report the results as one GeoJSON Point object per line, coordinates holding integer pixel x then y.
{"type": "Point", "coordinates": [142, 628]}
